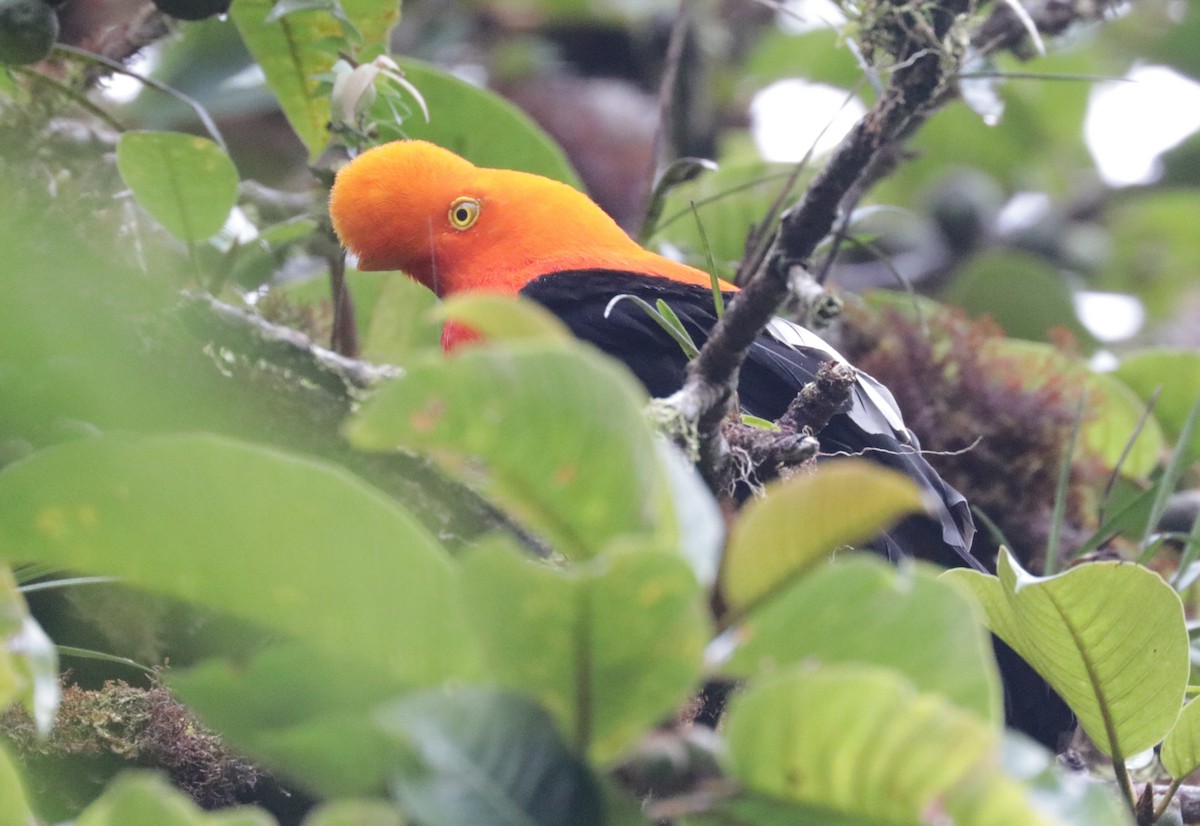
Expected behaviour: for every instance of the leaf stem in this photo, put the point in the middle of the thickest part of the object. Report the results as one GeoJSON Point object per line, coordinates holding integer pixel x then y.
{"type": "Point", "coordinates": [1168, 796]}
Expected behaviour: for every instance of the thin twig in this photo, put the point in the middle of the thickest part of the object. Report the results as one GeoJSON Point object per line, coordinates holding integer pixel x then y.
{"type": "Point", "coordinates": [666, 98]}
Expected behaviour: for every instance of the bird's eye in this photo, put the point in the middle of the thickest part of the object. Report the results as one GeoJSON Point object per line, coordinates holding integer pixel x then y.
{"type": "Point", "coordinates": [464, 212]}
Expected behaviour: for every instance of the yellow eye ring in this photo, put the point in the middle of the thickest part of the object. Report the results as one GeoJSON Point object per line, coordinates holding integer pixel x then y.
{"type": "Point", "coordinates": [464, 212]}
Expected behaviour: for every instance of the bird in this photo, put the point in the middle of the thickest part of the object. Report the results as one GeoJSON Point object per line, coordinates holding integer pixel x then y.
{"type": "Point", "coordinates": [456, 227]}
{"type": "Point", "coordinates": [413, 206]}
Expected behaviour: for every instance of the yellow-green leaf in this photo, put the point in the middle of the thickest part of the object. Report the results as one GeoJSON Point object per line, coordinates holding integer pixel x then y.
{"type": "Point", "coordinates": [292, 51]}
{"type": "Point", "coordinates": [555, 432]}
{"type": "Point", "coordinates": [804, 519]}
{"type": "Point", "coordinates": [860, 740]}
{"type": "Point", "coordinates": [1109, 637]}
{"type": "Point", "coordinates": [1181, 748]}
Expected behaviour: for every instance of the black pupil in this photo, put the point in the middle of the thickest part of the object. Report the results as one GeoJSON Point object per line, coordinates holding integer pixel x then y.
{"type": "Point", "coordinates": [462, 215]}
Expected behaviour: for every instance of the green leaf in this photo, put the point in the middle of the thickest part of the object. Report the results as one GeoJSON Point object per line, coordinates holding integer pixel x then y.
{"type": "Point", "coordinates": [355, 813]}
{"type": "Point", "coordinates": [933, 634]}
{"type": "Point", "coordinates": [488, 757]}
{"type": "Point", "coordinates": [292, 52]}
{"type": "Point", "coordinates": [1116, 410]}
{"type": "Point", "coordinates": [1181, 748]}
{"type": "Point", "coordinates": [399, 326]}
{"type": "Point", "coordinates": [558, 430]}
{"type": "Point", "coordinates": [250, 531]}
{"type": "Point", "coordinates": [609, 648]}
{"type": "Point", "coordinates": [1109, 637]}
{"type": "Point", "coordinates": [1177, 372]}
{"type": "Point", "coordinates": [145, 799]}
{"type": "Point", "coordinates": [502, 318]}
{"type": "Point", "coordinates": [662, 315]}
{"type": "Point", "coordinates": [805, 519]}
{"type": "Point", "coordinates": [481, 126]}
{"type": "Point", "coordinates": [1022, 292]}
{"type": "Point", "coordinates": [862, 741]}
{"type": "Point", "coordinates": [296, 709]}
{"type": "Point", "coordinates": [186, 183]}
{"type": "Point", "coordinates": [14, 808]}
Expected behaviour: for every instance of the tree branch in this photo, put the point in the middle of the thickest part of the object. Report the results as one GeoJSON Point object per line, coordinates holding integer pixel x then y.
{"type": "Point", "coordinates": [713, 374]}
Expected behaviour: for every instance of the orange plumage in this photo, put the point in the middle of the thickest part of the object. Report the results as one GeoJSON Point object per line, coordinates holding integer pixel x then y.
{"type": "Point", "coordinates": [392, 208]}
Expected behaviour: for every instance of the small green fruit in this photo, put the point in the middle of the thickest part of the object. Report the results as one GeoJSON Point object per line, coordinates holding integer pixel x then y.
{"type": "Point", "coordinates": [192, 9]}
{"type": "Point", "coordinates": [28, 28]}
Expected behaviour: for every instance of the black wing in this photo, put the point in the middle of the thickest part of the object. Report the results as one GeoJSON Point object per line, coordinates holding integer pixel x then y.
{"type": "Point", "coordinates": [781, 362]}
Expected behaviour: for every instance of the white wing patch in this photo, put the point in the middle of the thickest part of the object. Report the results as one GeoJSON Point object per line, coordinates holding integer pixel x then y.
{"type": "Point", "coordinates": [796, 336]}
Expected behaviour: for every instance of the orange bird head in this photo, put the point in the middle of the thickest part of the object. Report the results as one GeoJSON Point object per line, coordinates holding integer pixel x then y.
{"type": "Point", "coordinates": [453, 226]}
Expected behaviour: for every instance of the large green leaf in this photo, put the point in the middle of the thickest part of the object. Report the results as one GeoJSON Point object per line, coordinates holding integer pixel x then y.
{"type": "Point", "coordinates": [488, 757]}
{"type": "Point", "coordinates": [187, 183]}
{"type": "Point", "coordinates": [145, 799]}
{"type": "Point", "coordinates": [1177, 373]}
{"type": "Point", "coordinates": [804, 520]}
{"type": "Point", "coordinates": [609, 648]}
{"type": "Point", "coordinates": [481, 126]}
{"type": "Point", "coordinates": [299, 711]}
{"type": "Point", "coordinates": [835, 615]}
{"type": "Point", "coordinates": [1108, 636]}
{"type": "Point", "coordinates": [862, 741]}
{"type": "Point", "coordinates": [290, 543]}
{"type": "Point", "coordinates": [558, 430]}
{"type": "Point", "coordinates": [292, 51]}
